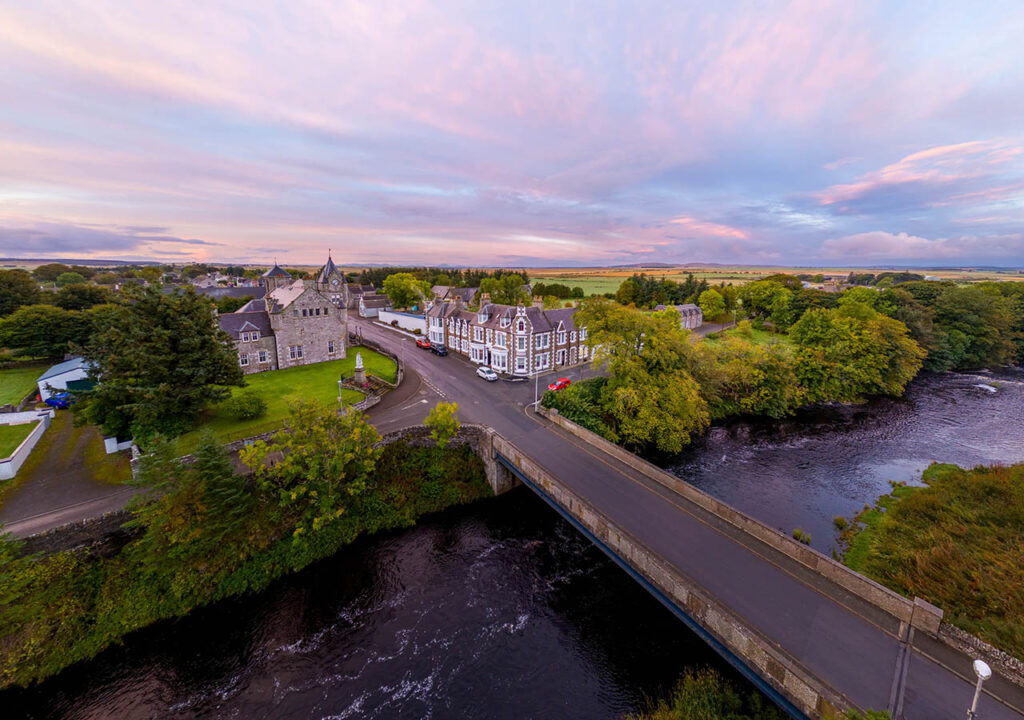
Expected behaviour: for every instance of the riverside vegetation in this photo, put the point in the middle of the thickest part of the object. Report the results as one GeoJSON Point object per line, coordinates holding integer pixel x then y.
{"type": "Point", "coordinates": [207, 533]}
{"type": "Point", "coordinates": [664, 389]}
{"type": "Point", "coordinates": [955, 542]}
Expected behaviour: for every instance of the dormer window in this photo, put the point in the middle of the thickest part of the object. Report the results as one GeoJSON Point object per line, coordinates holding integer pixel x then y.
{"type": "Point", "coordinates": [505, 320]}
{"type": "Point", "coordinates": [522, 326]}
{"type": "Point", "coordinates": [481, 318]}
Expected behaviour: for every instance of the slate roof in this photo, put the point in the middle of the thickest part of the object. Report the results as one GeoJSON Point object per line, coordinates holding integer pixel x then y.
{"type": "Point", "coordinates": [254, 305]}
{"type": "Point", "coordinates": [282, 297]}
{"type": "Point", "coordinates": [219, 292]}
{"type": "Point", "coordinates": [357, 289]}
{"type": "Point", "coordinates": [277, 271]}
{"type": "Point", "coordinates": [238, 322]}
{"type": "Point", "coordinates": [686, 310]}
{"type": "Point", "coordinates": [328, 269]}
{"type": "Point", "coordinates": [562, 315]}
{"type": "Point", "coordinates": [374, 301]}
{"type": "Point", "coordinates": [64, 367]}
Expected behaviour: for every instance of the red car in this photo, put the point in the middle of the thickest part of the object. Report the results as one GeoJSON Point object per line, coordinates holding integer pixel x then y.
{"type": "Point", "coordinates": [423, 343]}
{"type": "Point", "coordinates": [560, 384]}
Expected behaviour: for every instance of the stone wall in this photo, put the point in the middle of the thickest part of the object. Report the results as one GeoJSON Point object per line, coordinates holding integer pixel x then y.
{"type": "Point", "coordinates": [103, 533]}
{"type": "Point", "coordinates": [311, 332]}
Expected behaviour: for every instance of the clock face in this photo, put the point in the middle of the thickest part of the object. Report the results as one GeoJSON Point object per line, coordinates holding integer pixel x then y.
{"type": "Point", "coordinates": [334, 281]}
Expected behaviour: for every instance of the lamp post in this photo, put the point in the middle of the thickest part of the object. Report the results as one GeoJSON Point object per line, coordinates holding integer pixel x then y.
{"type": "Point", "coordinates": [341, 403]}
{"type": "Point", "coordinates": [984, 672]}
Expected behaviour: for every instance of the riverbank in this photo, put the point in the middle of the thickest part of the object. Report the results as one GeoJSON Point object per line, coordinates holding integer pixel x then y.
{"type": "Point", "coordinates": [68, 606]}
{"type": "Point", "coordinates": [957, 542]}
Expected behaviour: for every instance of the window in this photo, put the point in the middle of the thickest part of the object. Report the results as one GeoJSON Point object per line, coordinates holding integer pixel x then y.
{"type": "Point", "coordinates": [543, 360]}
{"type": "Point", "coordinates": [583, 334]}
{"type": "Point", "coordinates": [243, 359]}
{"type": "Point", "coordinates": [263, 356]}
{"type": "Point", "coordinates": [543, 341]}
{"type": "Point", "coordinates": [520, 364]}
{"type": "Point", "coordinates": [478, 334]}
{"type": "Point", "coordinates": [330, 347]}
{"type": "Point", "coordinates": [318, 312]}
{"type": "Point", "coordinates": [505, 320]}
{"type": "Point", "coordinates": [572, 336]}
{"type": "Point", "coordinates": [560, 357]}
{"type": "Point", "coordinates": [254, 335]}
{"type": "Point", "coordinates": [325, 309]}
{"type": "Point", "coordinates": [521, 327]}
{"type": "Point", "coordinates": [561, 337]}
{"type": "Point", "coordinates": [499, 339]}
{"type": "Point", "coordinates": [294, 352]}
{"type": "Point", "coordinates": [245, 337]}
{"type": "Point", "coordinates": [521, 344]}
{"type": "Point", "coordinates": [305, 312]}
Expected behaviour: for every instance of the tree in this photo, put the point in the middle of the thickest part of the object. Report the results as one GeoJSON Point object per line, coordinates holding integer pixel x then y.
{"type": "Point", "coordinates": [443, 422]}
{"type": "Point", "coordinates": [17, 288]}
{"type": "Point", "coordinates": [766, 299]}
{"type": "Point", "coordinates": [976, 327]}
{"type": "Point", "coordinates": [325, 459]}
{"type": "Point", "coordinates": [790, 282]}
{"type": "Point", "coordinates": [81, 297]}
{"type": "Point", "coordinates": [159, 358]}
{"type": "Point", "coordinates": [151, 274]}
{"type": "Point", "coordinates": [847, 354]}
{"type": "Point", "coordinates": [404, 290]}
{"type": "Point", "coordinates": [651, 398]}
{"type": "Point", "coordinates": [506, 290]}
{"type": "Point", "coordinates": [43, 330]}
{"type": "Point", "coordinates": [740, 377]}
{"type": "Point", "coordinates": [70, 278]}
{"type": "Point", "coordinates": [712, 304]}
{"type": "Point", "coordinates": [234, 270]}
{"type": "Point", "coordinates": [49, 272]}
{"type": "Point", "coordinates": [105, 278]}
{"type": "Point", "coordinates": [230, 303]}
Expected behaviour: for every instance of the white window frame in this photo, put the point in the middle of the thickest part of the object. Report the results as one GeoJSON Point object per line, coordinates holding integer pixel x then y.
{"type": "Point", "coordinates": [520, 364]}
{"type": "Point", "coordinates": [561, 337]}
{"type": "Point", "coordinates": [330, 347]}
{"type": "Point", "coordinates": [263, 357]}
{"type": "Point", "coordinates": [243, 359]}
{"type": "Point", "coordinates": [521, 344]}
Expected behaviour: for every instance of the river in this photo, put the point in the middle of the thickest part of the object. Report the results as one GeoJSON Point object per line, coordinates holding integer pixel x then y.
{"type": "Point", "coordinates": [500, 609]}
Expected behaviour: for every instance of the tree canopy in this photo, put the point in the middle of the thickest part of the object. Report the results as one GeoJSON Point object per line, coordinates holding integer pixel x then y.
{"type": "Point", "coordinates": [158, 359]}
{"type": "Point", "coordinates": [17, 288]}
{"type": "Point", "coordinates": [80, 296]}
{"type": "Point", "coordinates": [505, 290]}
{"type": "Point", "coordinates": [404, 290]}
{"type": "Point", "coordinates": [44, 330]}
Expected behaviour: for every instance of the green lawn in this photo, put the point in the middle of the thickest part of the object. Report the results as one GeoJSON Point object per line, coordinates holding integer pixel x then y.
{"type": "Point", "coordinates": [12, 435]}
{"type": "Point", "coordinates": [758, 337]}
{"type": "Point", "coordinates": [278, 387]}
{"type": "Point", "coordinates": [17, 382]}
{"type": "Point", "coordinates": [591, 284]}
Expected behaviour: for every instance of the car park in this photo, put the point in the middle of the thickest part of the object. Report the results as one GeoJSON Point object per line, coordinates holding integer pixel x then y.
{"type": "Point", "coordinates": [423, 343]}
{"type": "Point", "coordinates": [560, 384]}
{"type": "Point", "coordinates": [438, 349]}
{"type": "Point", "coordinates": [487, 374]}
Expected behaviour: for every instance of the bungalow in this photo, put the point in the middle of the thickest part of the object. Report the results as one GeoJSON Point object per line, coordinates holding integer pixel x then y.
{"type": "Point", "coordinates": [71, 374]}
{"type": "Point", "coordinates": [370, 305]}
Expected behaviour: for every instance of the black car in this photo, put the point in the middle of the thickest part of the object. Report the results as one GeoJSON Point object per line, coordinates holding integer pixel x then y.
{"type": "Point", "coordinates": [438, 349]}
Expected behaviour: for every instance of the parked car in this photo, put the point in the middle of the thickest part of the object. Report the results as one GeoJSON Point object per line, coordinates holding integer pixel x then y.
{"type": "Point", "coordinates": [487, 374]}
{"type": "Point", "coordinates": [61, 401]}
{"type": "Point", "coordinates": [438, 349]}
{"type": "Point", "coordinates": [423, 343]}
{"type": "Point", "coordinates": [560, 384]}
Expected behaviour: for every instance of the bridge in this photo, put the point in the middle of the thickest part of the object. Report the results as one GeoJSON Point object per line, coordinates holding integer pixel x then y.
{"type": "Point", "coordinates": [815, 636]}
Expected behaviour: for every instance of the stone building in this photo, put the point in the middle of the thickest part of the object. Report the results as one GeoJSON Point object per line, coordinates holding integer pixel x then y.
{"type": "Point", "coordinates": [691, 316]}
{"type": "Point", "coordinates": [517, 340]}
{"type": "Point", "coordinates": [296, 323]}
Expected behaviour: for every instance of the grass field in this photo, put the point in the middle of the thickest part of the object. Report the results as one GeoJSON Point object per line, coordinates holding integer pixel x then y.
{"type": "Point", "coordinates": [279, 387]}
{"type": "Point", "coordinates": [18, 382]}
{"type": "Point", "coordinates": [12, 435]}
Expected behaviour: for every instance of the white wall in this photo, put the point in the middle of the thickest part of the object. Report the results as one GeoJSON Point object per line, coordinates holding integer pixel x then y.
{"type": "Point", "coordinates": [60, 382]}
{"type": "Point", "coordinates": [9, 466]}
{"type": "Point", "coordinates": [405, 320]}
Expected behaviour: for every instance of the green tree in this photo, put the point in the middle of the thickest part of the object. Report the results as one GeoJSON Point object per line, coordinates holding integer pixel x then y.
{"type": "Point", "coordinates": [443, 422]}
{"type": "Point", "coordinates": [628, 293]}
{"type": "Point", "coordinates": [326, 459]}
{"type": "Point", "coordinates": [404, 290]}
{"type": "Point", "coordinates": [712, 304]}
{"type": "Point", "coordinates": [70, 278]}
{"type": "Point", "coordinates": [50, 271]}
{"type": "Point", "coordinates": [230, 303]}
{"type": "Point", "coordinates": [160, 357]}
{"type": "Point", "coordinates": [105, 278]}
{"type": "Point", "coordinates": [740, 377]}
{"type": "Point", "coordinates": [847, 354]}
{"type": "Point", "coordinates": [43, 330]}
{"type": "Point", "coordinates": [651, 398]}
{"type": "Point", "coordinates": [81, 297]}
{"type": "Point", "coordinates": [506, 290]}
{"type": "Point", "coordinates": [765, 299]}
{"type": "Point", "coordinates": [17, 288]}
{"type": "Point", "coordinates": [976, 327]}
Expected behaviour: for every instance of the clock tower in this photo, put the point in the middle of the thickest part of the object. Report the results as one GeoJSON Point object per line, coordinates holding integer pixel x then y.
{"type": "Point", "coordinates": [331, 283]}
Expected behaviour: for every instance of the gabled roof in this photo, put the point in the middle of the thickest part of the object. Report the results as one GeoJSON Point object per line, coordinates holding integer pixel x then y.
{"type": "Point", "coordinates": [566, 316]}
{"type": "Point", "coordinates": [239, 322]}
{"type": "Point", "coordinates": [277, 271]}
{"type": "Point", "coordinates": [328, 269]}
{"type": "Point", "coordinates": [256, 291]}
{"type": "Point", "coordinates": [374, 301]}
{"type": "Point", "coordinates": [77, 363]}
{"type": "Point", "coordinates": [357, 289]}
{"type": "Point", "coordinates": [282, 297]}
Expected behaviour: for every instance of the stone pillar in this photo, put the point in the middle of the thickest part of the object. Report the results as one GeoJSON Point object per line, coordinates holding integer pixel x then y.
{"type": "Point", "coordinates": [360, 371]}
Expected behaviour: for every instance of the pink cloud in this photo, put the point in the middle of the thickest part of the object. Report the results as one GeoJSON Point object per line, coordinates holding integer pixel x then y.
{"type": "Point", "coordinates": [700, 227]}
{"type": "Point", "coordinates": [881, 245]}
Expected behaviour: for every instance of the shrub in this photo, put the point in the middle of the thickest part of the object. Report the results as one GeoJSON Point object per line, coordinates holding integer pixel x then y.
{"type": "Point", "coordinates": [394, 323]}
{"type": "Point", "coordinates": [245, 405]}
{"type": "Point", "coordinates": [417, 331]}
{"type": "Point", "coordinates": [801, 536]}
{"type": "Point", "coordinates": [840, 522]}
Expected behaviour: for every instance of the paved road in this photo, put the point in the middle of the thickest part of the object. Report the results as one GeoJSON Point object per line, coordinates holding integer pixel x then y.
{"type": "Point", "coordinates": [849, 645]}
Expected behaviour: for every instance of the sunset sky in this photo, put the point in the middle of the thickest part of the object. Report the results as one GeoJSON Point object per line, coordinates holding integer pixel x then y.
{"type": "Point", "coordinates": [518, 133]}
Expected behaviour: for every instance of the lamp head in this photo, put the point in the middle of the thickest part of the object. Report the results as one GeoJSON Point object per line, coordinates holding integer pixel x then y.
{"type": "Point", "coordinates": [982, 670]}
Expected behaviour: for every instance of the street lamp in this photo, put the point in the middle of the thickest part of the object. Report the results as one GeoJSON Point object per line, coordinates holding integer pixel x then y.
{"type": "Point", "coordinates": [341, 403]}
{"type": "Point", "coordinates": [984, 672]}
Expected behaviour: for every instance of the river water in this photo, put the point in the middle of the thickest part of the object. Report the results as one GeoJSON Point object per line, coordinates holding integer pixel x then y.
{"type": "Point", "coordinates": [500, 609]}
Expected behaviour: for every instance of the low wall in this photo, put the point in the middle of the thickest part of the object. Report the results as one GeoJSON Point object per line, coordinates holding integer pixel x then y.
{"type": "Point", "coordinates": [406, 321]}
{"type": "Point", "coordinates": [920, 615]}
{"type": "Point", "coordinates": [359, 340]}
{"type": "Point", "coordinates": [714, 621]}
{"type": "Point", "coordinates": [103, 533]}
{"type": "Point", "coordinates": [9, 466]}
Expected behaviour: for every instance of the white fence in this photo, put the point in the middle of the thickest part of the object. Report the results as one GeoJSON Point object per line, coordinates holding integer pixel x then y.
{"type": "Point", "coordinates": [406, 321]}
{"type": "Point", "coordinates": [10, 465]}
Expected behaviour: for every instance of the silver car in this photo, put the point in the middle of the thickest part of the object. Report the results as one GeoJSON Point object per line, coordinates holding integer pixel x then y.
{"type": "Point", "coordinates": [487, 374]}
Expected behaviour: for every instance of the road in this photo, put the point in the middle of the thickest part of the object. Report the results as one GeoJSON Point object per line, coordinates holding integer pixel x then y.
{"type": "Point", "coordinates": [847, 645]}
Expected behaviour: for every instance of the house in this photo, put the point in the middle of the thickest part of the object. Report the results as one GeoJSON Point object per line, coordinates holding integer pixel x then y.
{"type": "Point", "coordinates": [518, 340]}
{"type": "Point", "coordinates": [690, 315]}
{"type": "Point", "coordinates": [296, 323]}
{"type": "Point", "coordinates": [356, 291]}
{"type": "Point", "coordinates": [72, 374]}
{"type": "Point", "coordinates": [448, 293]}
{"type": "Point", "coordinates": [371, 304]}
{"type": "Point", "coordinates": [331, 283]}
{"type": "Point", "coordinates": [209, 280]}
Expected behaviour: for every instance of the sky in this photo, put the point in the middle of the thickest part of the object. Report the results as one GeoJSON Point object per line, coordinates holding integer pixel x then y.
{"type": "Point", "coordinates": [514, 133]}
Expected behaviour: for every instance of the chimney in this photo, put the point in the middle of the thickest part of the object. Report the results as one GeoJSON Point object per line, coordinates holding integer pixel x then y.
{"type": "Point", "coordinates": [458, 302]}
{"type": "Point", "coordinates": [484, 298]}
{"type": "Point", "coordinates": [538, 302]}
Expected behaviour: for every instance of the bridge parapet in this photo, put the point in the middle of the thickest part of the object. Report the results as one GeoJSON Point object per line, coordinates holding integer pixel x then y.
{"type": "Point", "coordinates": [773, 670]}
